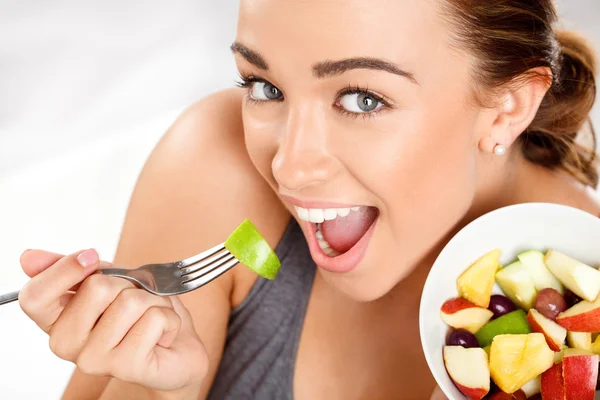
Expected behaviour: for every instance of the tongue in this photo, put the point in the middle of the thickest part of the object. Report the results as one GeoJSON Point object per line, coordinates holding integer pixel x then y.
{"type": "Point", "coordinates": [344, 232]}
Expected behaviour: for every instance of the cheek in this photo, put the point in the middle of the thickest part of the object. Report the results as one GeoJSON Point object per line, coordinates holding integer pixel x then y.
{"type": "Point", "coordinates": [425, 176]}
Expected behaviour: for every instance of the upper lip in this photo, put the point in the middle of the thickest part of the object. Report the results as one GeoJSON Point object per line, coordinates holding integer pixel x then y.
{"type": "Point", "coordinates": [316, 204]}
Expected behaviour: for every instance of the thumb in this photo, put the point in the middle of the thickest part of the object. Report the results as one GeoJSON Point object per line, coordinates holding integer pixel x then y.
{"type": "Point", "coordinates": [187, 323]}
{"type": "Point", "coordinates": [35, 261]}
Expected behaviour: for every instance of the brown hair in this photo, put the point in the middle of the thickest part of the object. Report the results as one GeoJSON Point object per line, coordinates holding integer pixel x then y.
{"type": "Point", "coordinates": [509, 38]}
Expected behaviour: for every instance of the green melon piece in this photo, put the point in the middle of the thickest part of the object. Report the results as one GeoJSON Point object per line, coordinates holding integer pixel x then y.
{"type": "Point", "coordinates": [247, 245]}
{"type": "Point", "coordinates": [512, 323]}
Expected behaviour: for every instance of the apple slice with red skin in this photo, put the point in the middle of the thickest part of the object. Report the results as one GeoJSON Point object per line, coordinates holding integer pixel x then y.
{"type": "Point", "coordinates": [555, 334]}
{"type": "Point", "coordinates": [580, 374]}
{"type": "Point", "coordinates": [469, 370]}
{"type": "Point", "coordinates": [582, 317]}
{"type": "Point", "coordinates": [462, 314]}
{"type": "Point", "coordinates": [553, 386]}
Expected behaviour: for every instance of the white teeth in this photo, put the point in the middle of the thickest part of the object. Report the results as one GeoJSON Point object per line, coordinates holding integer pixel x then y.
{"type": "Point", "coordinates": [324, 245]}
{"type": "Point", "coordinates": [318, 215]}
{"type": "Point", "coordinates": [343, 212]}
{"type": "Point", "coordinates": [331, 252]}
{"type": "Point", "coordinates": [330, 214]}
{"type": "Point", "coordinates": [302, 213]}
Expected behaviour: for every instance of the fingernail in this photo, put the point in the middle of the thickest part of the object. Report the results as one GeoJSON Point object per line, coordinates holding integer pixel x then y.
{"type": "Point", "coordinates": [88, 258]}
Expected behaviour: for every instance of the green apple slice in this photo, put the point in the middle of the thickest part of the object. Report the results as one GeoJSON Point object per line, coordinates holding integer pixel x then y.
{"type": "Point", "coordinates": [533, 261]}
{"type": "Point", "coordinates": [512, 323]}
{"type": "Point", "coordinates": [248, 246]}
{"type": "Point", "coordinates": [516, 283]}
{"type": "Point", "coordinates": [578, 277]}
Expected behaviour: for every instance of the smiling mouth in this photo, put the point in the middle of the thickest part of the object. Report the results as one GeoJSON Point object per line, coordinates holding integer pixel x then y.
{"type": "Point", "coordinates": [338, 230]}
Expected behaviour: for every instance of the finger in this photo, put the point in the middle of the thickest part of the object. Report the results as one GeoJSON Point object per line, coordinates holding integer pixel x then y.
{"type": "Point", "coordinates": [101, 265]}
{"type": "Point", "coordinates": [158, 326]}
{"type": "Point", "coordinates": [39, 298]}
{"type": "Point", "coordinates": [70, 332]}
{"type": "Point", "coordinates": [35, 261]}
{"type": "Point", "coordinates": [121, 316]}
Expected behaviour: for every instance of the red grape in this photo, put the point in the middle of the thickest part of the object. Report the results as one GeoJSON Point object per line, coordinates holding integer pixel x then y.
{"type": "Point", "coordinates": [571, 298]}
{"type": "Point", "coordinates": [500, 305]}
{"type": "Point", "coordinates": [550, 303]}
{"type": "Point", "coordinates": [462, 337]}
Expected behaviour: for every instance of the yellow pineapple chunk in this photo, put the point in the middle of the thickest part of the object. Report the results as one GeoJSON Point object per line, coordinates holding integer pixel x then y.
{"type": "Point", "coordinates": [596, 346]}
{"type": "Point", "coordinates": [517, 359]}
{"type": "Point", "coordinates": [477, 282]}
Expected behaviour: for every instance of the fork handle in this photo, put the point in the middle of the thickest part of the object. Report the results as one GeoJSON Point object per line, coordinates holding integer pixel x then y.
{"type": "Point", "coordinates": [9, 297]}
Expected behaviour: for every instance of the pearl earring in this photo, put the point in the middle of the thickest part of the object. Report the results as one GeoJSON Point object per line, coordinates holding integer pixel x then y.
{"type": "Point", "coordinates": [499, 150]}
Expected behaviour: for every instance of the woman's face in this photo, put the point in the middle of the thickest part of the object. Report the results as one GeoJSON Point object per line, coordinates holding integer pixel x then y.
{"type": "Point", "coordinates": [355, 103]}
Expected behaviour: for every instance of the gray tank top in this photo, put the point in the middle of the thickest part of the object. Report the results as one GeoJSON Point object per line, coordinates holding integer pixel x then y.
{"type": "Point", "coordinates": [263, 334]}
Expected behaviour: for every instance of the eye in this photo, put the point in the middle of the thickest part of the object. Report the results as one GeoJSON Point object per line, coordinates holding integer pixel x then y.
{"type": "Point", "coordinates": [361, 102]}
{"type": "Point", "coordinates": [264, 91]}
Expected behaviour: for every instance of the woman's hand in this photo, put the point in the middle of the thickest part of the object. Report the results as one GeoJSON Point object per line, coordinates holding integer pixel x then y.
{"type": "Point", "coordinates": [108, 327]}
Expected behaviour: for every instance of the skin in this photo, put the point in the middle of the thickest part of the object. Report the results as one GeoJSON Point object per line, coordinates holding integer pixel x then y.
{"type": "Point", "coordinates": [426, 162]}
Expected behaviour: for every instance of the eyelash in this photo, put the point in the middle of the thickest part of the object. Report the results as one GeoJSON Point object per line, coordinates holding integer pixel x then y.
{"type": "Point", "coordinates": [387, 104]}
{"type": "Point", "coordinates": [246, 82]}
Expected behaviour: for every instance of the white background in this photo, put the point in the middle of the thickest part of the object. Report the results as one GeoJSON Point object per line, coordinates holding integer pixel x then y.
{"type": "Point", "coordinates": [86, 90]}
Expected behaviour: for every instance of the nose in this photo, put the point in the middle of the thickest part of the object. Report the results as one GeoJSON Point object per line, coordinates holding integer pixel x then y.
{"type": "Point", "coordinates": [303, 158]}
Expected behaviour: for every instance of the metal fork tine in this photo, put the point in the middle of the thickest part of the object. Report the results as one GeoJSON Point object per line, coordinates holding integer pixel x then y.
{"type": "Point", "coordinates": [199, 257]}
{"type": "Point", "coordinates": [204, 263]}
{"type": "Point", "coordinates": [205, 278]}
{"type": "Point", "coordinates": [173, 278]}
{"type": "Point", "coordinates": [208, 269]}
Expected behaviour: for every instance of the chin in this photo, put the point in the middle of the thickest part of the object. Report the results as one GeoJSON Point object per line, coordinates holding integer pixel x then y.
{"type": "Point", "coordinates": [375, 275]}
{"type": "Point", "coordinates": [361, 289]}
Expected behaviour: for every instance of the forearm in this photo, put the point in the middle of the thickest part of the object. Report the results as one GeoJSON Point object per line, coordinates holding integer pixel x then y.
{"type": "Point", "coordinates": [119, 390]}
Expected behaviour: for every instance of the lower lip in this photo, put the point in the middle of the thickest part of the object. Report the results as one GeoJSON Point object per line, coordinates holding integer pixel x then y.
{"type": "Point", "coordinates": [345, 262]}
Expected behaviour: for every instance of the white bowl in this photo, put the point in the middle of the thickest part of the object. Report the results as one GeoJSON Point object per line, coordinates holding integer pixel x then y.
{"type": "Point", "coordinates": [513, 229]}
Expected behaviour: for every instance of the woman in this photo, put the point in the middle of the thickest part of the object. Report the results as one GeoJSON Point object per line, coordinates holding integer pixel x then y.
{"type": "Point", "coordinates": [365, 135]}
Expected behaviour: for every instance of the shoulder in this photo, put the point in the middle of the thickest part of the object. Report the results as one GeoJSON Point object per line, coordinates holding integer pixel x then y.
{"type": "Point", "coordinates": [197, 186]}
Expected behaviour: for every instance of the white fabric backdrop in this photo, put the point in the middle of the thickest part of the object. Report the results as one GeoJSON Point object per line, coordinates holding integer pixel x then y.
{"type": "Point", "coordinates": [86, 89]}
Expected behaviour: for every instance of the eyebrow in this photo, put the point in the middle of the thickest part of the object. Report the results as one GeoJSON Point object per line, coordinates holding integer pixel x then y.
{"type": "Point", "coordinates": [250, 55]}
{"type": "Point", "coordinates": [328, 68]}
{"type": "Point", "coordinates": [334, 68]}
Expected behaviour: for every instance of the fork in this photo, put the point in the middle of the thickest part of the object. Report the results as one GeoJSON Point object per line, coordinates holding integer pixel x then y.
{"type": "Point", "coordinates": [172, 278]}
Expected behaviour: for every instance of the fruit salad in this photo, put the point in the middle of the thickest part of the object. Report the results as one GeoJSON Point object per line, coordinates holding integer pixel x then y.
{"type": "Point", "coordinates": [539, 339]}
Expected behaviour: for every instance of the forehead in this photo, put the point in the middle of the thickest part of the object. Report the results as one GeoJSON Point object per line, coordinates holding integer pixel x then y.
{"type": "Point", "coordinates": [408, 31]}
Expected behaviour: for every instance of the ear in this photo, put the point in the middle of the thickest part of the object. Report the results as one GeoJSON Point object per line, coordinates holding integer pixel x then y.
{"type": "Point", "coordinates": [518, 107]}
